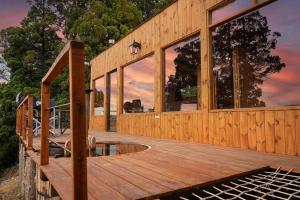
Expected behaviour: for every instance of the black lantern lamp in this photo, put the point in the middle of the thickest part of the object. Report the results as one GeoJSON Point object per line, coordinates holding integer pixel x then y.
{"type": "Point", "coordinates": [135, 47]}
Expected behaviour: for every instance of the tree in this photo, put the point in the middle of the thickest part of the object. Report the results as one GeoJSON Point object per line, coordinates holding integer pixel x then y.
{"type": "Point", "coordinates": [30, 53]}
{"type": "Point", "coordinates": [94, 22]}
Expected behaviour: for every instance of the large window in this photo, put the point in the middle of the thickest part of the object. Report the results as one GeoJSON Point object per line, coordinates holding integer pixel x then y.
{"type": "Point", "coordinates": [99, 96]}
{"type": "Point", "coordinates": [139, 86]}
{"type": "Point", "coordinates": [182, 66]}
{"type": "Point", "coordinates": [256, 58]}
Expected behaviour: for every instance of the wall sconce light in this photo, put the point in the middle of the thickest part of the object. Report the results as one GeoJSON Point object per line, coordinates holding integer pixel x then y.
{"type": "Point", "coordinates": [135, 47]}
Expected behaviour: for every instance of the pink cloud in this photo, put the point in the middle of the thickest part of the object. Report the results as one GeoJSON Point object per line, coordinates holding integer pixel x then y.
{"type": "Point", "coordinates": [12, 12]}
{"type": "Point", "coordinates": [139, 82]}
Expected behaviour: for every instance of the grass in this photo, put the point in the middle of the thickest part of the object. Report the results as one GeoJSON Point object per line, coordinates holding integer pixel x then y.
{"type": "Point", "coordinates": [10, 185]}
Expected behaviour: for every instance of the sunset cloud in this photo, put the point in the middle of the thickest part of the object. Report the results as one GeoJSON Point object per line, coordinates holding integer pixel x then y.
{"type": "Point", "coordinates": [12, 12]}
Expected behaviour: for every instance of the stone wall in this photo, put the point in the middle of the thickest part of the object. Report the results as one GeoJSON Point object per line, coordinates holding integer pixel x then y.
{"type": "Point", "coordinates": [34, 185]}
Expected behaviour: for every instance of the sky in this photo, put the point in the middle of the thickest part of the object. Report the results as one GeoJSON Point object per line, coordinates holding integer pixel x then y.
{"type": "Point", "coordinates": [139, 82]}
{"type": "Point", "coordinates": [12, 12]}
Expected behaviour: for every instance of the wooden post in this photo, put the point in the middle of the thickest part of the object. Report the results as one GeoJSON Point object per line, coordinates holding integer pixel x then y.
{"type": "Point", "coordinates": [72, 54]}
{"type": "Point", "coordinates": [106, 102]}
{"type": "Point", "coordinates": [30, 119]}
{"type": "Point", "coordinates": [45, 109]}
{"type": "Point", "coordinates": [17, 121]}
{"type": "Point", "coordinates": [23, 122]}
{"type": "Point", "coordinates": [78, 121]}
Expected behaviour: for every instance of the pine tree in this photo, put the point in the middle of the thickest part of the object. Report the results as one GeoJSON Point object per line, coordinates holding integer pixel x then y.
{"type": "Point", "coordinates": [30, 53]}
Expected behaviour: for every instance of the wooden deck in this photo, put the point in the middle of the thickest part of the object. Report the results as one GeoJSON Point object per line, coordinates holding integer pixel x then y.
{"type": "Point", "coordinates": [169, 165]}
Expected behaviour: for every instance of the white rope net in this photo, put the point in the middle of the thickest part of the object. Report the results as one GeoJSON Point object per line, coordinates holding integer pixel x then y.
{"type": "Point", "coordinates": [269, 184]}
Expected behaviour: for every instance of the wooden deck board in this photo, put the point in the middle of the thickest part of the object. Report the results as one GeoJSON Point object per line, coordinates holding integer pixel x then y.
{"type": "Point", "coordinates": [168, 165]}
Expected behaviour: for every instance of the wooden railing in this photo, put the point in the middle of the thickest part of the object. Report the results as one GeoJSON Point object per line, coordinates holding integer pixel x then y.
{"type": "Point", "coordinates": [24, 121]}
{"type": "Point", "coordinates": [73, 56]}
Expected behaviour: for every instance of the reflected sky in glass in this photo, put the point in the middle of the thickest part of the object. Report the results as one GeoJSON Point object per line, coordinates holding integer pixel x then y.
{"type": "Point", "coordinates": [284, 88]}
{"type": "Point", "coordinates": [113, 93]}
{"type": "Point", "coordinates": [229, 9]}
{"type": "Point", "coordinates": [281, 88]}
{"type": "Point", "coordinates": [139, 82]}
{"type": "Point", "coordinates": [99, 96]}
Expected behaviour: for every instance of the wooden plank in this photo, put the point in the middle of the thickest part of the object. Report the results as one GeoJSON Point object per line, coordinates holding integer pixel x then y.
{"type": "Point", "coordinates": [60, 62]}
{"type": "Point", "coordinates": [45, 115]}
{"type": "Point", "coordinates": [24, 131]}
{"type": "Point", "coordinates": [260, 131]}
{"type": "Point", "coordinates": [145, 184]}
{"type": "Point", "coordinates": [30, 122]}
{"type": "Point", "coordinates": [270, 131]}
{"type": "Point", "coordinates": [222, 128]}
{"type": "Point", "coordinates": [229, 129]}
{"type": "Point", "coordinates": [236, 129]}
{"type": "Point", "coordinates": [290, 132]}
{"type": "Point", "coordinates": [279, 132]}
{"type": "Point", "coordinates": [298, 132]}
{"type": "Point", "coordinates": [78, 122]}
{"type": "Point", "coordinates": [244, 130]}
{"type": "Point", "coordinates": [252, 130]}
{"type": "Point", "coordinates": [215, 129]}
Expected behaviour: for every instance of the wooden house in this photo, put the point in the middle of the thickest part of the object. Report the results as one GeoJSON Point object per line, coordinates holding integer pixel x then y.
{"type": "Point", "coordinates": [200, 81]}
{"type": "Point", "coordinates": [202, 101]}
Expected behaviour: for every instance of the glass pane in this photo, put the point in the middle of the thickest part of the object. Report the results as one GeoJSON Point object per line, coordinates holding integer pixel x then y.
{"type": "Point", "coordinates": [139, 86]}
{"type": "Point", "coordinates": [112, 100]}
{"type": "Point", "coordinates": [99, 96]}
{"type": "Point", "coordinates": [258, 54]}
{"type": "Point", "coordinates": [229, 9]}
{"type": "Point", "coordinates": [182, 62]}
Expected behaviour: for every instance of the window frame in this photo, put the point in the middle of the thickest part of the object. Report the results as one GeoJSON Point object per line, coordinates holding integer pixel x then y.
{"type": "Point", "coordinates": [121, 97]}
{"type": "Point", "coordinates": [94, 95]}
{"type": "Point", "coordinates": [163, 74]}
{"type": "Point", "coordinates": [256, 5]}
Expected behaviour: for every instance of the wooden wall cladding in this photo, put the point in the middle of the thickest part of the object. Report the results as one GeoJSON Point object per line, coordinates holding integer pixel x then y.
{"type": "Point", "coordinates": [273, 130]}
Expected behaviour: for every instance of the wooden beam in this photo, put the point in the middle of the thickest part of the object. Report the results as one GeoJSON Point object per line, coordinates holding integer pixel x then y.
{"type": "Point", "coordinates": [30, 121]}
{"type": "Point", "coordinates": [106, 103]}
{"type": "Point", "coordinates": [45, 109]}
{"type": "Point", "coordinates": [120, 92]}
{"type": "Point", "coordinates": [24, 108]}
{"type": "Point", "coordinates": [78, 122]}
{"type": "Point", "coordinates": [60, 62]}
{"type": "Point", "coordinates": [24, 100]}
{"type": "Point", "coordinates": [18, 121]}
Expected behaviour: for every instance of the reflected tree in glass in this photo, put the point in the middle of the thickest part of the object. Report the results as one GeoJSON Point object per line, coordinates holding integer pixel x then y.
{"type": "Point", "coordinates": [242, 59]}
{"type": "Point", "coordinates": [181, 87]}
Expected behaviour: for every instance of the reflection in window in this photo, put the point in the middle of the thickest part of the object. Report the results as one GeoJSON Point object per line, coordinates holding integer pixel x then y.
{"type": "Point", "coordinates": [112, 99]}
{"type": "Point", "coordinates": [231, 8]}
{"type": "Point", "coordinates": [99, 96]}
{"type": "Point", "coordinates": [182, 62]}
{"type": "Point", "coordinates": [256, 58]}
{"type": "Point", "coordinates": [139, 86]}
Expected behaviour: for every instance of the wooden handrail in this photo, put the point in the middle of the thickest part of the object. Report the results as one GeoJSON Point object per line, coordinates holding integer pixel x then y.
{"type": "Point", "coordinates": [73, 56]}
{"type": "Point", "coordinates": [24, 118]}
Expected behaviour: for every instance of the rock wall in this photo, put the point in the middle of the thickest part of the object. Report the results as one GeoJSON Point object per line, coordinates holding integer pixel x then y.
{"type": "Point", "coordinates": [27, 171]}
{"type": "Point", "coordinates": [34, 185]}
